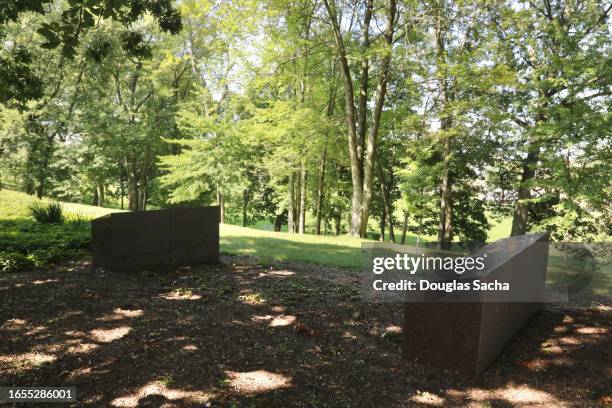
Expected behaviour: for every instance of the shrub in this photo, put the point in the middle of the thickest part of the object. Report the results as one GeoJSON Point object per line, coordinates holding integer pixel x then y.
{"type": "Point", "coordinates": [78, 219]}
{"type": "Point", "coordinates": [51, 213]}
{"type": "Point", "coordinates": [13, 262]}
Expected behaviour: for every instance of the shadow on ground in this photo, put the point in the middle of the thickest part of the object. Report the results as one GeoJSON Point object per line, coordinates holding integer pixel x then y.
{"type": "Point", "coordinates": [241, 334]}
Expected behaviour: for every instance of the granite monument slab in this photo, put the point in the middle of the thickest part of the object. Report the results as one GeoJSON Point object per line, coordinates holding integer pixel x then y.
{"type": "Point", "coordinates": [467, 334]}
{"type": "Point", "coordinates": [137, 240]}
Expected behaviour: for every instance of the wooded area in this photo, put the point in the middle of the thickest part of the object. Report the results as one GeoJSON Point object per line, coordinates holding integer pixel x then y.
{"type": "Point", "coordinates": [322, 126]}
{"type": "Point", "coordinates": [365, 116]}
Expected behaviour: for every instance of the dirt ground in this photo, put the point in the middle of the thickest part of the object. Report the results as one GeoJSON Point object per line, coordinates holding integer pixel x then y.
{"type": "Point", "coordinates": [284, 335]}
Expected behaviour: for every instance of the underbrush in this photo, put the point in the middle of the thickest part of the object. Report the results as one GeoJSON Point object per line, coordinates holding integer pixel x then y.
{"type": "Point", "coordinates": [61, 232]}
{"type": "Point", "coordinates": [47, 213]}
{"type": "Point", "coordinates": [25, 243]}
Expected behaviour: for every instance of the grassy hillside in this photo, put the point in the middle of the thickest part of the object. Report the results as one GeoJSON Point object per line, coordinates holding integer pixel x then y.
{"type": "Point", "coordinates": [42, 243]}
{"type": "Point", "coordinates": [24, 243]}
{"type": "Point", "coordinates": [14, 205]}
{"type": "Point", "coordinates": [28, 243]}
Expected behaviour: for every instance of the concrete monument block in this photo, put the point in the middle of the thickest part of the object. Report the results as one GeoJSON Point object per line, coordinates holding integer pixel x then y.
{"type": "Point", "coordinates": [136, 240]}
{"type": "Point", "coordinates": [467, 334]}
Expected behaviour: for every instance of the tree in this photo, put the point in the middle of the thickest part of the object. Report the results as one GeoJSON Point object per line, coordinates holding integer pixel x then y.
{"type": "Point", "coordinates": [555, 49]}
{"type": "Point", "coordinates": [362, 149]}
{"type": "Point", "coordinates": [19, 83]}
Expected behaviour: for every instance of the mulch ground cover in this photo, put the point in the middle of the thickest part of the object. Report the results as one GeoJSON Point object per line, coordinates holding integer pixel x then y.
{"type": "Point", "coordinates": [243, 334]}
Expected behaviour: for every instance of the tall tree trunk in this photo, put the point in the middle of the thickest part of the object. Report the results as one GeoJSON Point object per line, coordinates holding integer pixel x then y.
{"type": "Point", "coordinates": [245, 202]}
{"type": "Point", "coordinates": [100, 195]}
{"type": "Point", "coordinates": [384, 193]}
{"type": "Point", "coordinates": [142, 197]}
{"type": "Point", "coordinates": [320, 188]}
{"type": "Point", "coordinates": [221, 204]}
{"type": "Point", "coordinates": [351, 117]}
{"type": "Point", "coordinates": [302, 212]}
{"type": "Point", "coordinates": [331, 104]}
{"type": "Point", "coordinates": [379, 100]}
{"type": "Point", "coordinates": [278, 222]}
{"type": "Point", "coordinates": [122, 188]}
{"type": "Point", "coordinates": [362, 163]}
{"type": "Point", "coordinates": [296, 201]}
{"type": "Point", "coordinates": [521, 213]}
{"type": "Point", "coordinates": [132, 187]}
{"type": "Point", "coordinates": [290, 204]}
{"type": "Point", "coordinates": [383, 223]}
{"type": "Point", "coordinates": [95, 195]}
{"type": "Point", "coordinates": [42, 177]}
{"type": "Point", "coordinates": [445, 225]}
{"type": "Point", "coordinates": [40, 189]}
{"type": "Point", "coordinates": [338, 223]}
{"type": "Point", "coordinates": [362, 106]}
{"type": "Point", "coordinates": [520, 218]}
{"type": "Point", "coordinates": [404, 228]}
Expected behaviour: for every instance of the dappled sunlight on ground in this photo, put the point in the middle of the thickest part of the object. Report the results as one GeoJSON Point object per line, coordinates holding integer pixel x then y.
{"type": "Point", "coordinates": [252, 298]}
{"type": "Point", "coordinates": [516, 395]}
{"type": "Point", "coordinates": [120, 314]}
{"type": "Point", "coordinates": [591, 330]}
{"type": "Point", "coordinates": [78, 347]}
{"type": "Point", "coordinates": [349, 335]}
{"type": "Point", "coordinates": [257, 381]}
{"type": "Point", "coordinates": [13, 324]}
{"type": "Point", "coordinates": [244, 334]}
{"type": "Point", "coordinates": [276, 321]}
{"type": "Point", "coordinates": [80, 372]}
{"type": "Point", "coordinates": [568, 340]}
{"type": "Point", "coordinates": [35, 330]}
{"type": "Point", "coordinates": [108, 335]}
{"type": "Point", "coordinates": [428, 398]}
{"type": "Point", "coordinates": [27, 360]}
{"type": "Point", "coordinates": [273, 273]}
{"type": "Point", "coordinates": [180, 295]}
{"type": "Point", "coordinates": [156, 391]}
{"type": "Point", "coordinates": [42, 282]}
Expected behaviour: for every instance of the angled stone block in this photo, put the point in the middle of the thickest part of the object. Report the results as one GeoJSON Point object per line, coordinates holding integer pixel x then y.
{"type": "Point", "coordinates": [467, 334]}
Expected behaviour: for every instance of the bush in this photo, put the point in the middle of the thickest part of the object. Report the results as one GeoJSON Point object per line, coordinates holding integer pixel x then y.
{"type": "Point", "coordinates": [13, 262]}
{"type": "Point", "coordinates": [78, 219]}
{"type": "Point", "coordinates": [36, 236]}
{"type": "Point", "coordinates": [25, 243]}
{"type": "Point", "coordinates": [51, 213]}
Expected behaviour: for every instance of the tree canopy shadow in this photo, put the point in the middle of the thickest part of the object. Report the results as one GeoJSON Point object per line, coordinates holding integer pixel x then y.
{"type": "Point", "coordinates": [251, 334]}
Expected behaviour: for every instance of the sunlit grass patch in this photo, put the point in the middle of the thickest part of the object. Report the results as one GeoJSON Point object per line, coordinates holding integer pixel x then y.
{"type": "Point", "coordinates": [252, 298]}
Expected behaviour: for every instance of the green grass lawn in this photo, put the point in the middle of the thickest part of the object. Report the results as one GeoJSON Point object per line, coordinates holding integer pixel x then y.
{"type": "Point", "coordinates": [14, 205]}
{"type": "Point", "coordinates": [42, 243]}
{"type": "Point", "coordinates": [25, 243]}
{"type": "Point", "coordinates": [30, 243]}
{"type": "Point", "coordinates": [20, 234]}
{"type": "Point", "coordinates": [321, 249]}
{"type": "Point", "coordinates": [500, 228]}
